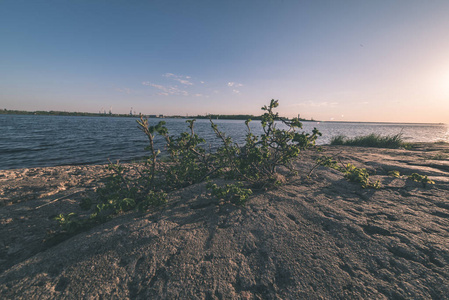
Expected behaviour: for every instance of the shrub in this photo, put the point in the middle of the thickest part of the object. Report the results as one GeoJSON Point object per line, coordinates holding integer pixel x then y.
{"type": "Point", "coordinates": [256, 163]}
{"type": "Point", "coordinates": [188, 162]}
{"type": "Point", "coordinates": [259, 159]}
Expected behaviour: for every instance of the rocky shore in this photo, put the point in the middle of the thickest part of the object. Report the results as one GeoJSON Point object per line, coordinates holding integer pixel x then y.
{"type": "Point", "coordinates": [318, 238]}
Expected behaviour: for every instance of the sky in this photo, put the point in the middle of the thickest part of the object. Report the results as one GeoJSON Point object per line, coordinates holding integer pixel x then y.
{"type": "Point", "coordinates": [349, 60]}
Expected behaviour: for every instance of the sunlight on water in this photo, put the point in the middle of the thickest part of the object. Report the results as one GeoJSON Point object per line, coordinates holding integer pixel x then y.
{"type": "Point", "coordinates": [446, 135]}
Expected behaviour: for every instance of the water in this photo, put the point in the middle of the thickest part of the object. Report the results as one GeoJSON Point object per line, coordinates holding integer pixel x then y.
{"type": "Point", "coordinates": [37, 141]}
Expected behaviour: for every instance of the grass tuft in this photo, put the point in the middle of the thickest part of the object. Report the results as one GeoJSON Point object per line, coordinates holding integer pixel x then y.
{"type": "Point", "coordinates": [372, 140]}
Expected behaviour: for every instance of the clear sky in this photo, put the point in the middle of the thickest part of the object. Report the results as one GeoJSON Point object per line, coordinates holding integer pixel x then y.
{"type": "Point", "coordinates": [330, 60]}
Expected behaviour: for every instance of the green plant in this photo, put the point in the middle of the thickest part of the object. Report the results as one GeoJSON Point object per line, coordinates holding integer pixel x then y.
{"type": "Point", "coordinates": [235, 193]}
{"type": "Point", "coordinates": [118, 184]}
{"type": "Point", "coordinates": [328, 161]}
{"type": "Point", "coordinates": [152, 199]}
{"type": "Point", "coordinates": [351, 172]}
{"type": "Point", "coordinates": [359, 175]}
{"type": "Point", "coordinates": [371, 140]}
{"type": "Point", "coordinates": [256, 164]}
{"type": "Point", "coordinates": [394, 173]}
{"type": "Point", "coordinates": [68, 222]}
{"type": "Point", "coordinates": [189, 163]}
{"type": "Point", "coordinates": [338, 140]}
{"type": "Point", "coordinates": [150, 131]}
{"type": "Point", "coordinates": [420, 178]}
{"type": "Point", "coordinates": [259, 159]}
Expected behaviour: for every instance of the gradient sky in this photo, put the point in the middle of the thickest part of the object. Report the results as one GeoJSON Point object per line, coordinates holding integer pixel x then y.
{"type": "Point", "coordinates": [330, 60]}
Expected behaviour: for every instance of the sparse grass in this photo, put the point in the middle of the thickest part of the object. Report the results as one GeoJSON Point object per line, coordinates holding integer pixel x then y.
{"type": "Point", "coordinates": [394, 173]}
{"type": "Point", "coordinates": [372, 140]}
{"type": "Point", "coordinates": [420, 178]}
{"type": "Point", "coordinates": [413, 177]}
{"type": "Point", "coordinates": [351, 172]}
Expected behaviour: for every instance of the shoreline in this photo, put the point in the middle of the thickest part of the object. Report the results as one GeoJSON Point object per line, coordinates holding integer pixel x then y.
{"type": "Point", "coordinates": [324, 237]}
{"type": "Point", "coordinates": [422, 146]}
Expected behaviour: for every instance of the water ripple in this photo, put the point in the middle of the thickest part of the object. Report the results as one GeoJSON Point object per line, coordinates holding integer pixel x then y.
{"type": "Point", "coordinates": [37, 141]}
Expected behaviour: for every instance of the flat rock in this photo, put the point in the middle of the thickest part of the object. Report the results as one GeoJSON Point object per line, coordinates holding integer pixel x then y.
{"type": "Point", "coordinates": [322, 237]}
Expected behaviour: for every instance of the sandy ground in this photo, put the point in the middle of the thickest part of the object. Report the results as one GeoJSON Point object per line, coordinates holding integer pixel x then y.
{"type": "Point", "coordinates": [323, 238]}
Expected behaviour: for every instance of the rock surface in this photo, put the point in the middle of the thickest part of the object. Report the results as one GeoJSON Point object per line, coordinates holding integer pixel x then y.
{"type": "Point", "coordinates": [316, 238]}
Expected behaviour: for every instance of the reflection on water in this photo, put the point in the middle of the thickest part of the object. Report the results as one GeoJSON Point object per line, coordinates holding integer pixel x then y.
{"type": "Point", "coordinates": [36, 141]}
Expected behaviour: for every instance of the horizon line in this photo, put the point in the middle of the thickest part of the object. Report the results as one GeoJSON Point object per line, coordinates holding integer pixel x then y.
{"type": "Point", "coordinates": [106, 114]}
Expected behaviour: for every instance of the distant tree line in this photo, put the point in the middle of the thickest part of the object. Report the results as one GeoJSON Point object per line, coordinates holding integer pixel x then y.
{"type": "Point", "coordinates": [227, 117]}
{"type": "Point", "coordinates": [59, 113]}
{"type": "Point", "coordinates": [235, 117]}
{"type": "Point", "coordinates": [66, 113]}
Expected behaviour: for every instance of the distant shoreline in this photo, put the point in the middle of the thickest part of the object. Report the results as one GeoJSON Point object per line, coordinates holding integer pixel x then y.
{"type": "Point", "coordinates": [212, 116]}
{"type": "Point", "coordinates": [86, 114]}
{"type": "Point", "coordinates": [61, 113]}
{"type": "Point", "coordinates": [395, 123]}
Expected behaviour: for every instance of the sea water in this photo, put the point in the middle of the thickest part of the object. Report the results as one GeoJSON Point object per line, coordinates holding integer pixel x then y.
{"type": "Point", "coordinates": [38, 141]}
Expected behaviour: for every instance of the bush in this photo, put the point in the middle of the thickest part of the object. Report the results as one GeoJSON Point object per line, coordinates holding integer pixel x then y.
{"type": "Point", "coordinates": [258, 161]}
{"type": "Point", "coordinates": [254, 165]}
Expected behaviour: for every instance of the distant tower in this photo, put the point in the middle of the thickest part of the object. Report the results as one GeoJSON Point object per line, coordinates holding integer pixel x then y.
{"type": "Point", "coordinates": [131, 112]}
{"type": "Point", "coordinates": [110, 110]}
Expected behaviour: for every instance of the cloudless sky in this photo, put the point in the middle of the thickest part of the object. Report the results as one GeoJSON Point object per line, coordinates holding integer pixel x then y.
{"type": "Point", "coordinates": [330, 60]}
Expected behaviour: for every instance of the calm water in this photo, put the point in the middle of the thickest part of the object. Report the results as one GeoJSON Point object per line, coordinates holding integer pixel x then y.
{"type": "Point", "coordinates": [37, 141]}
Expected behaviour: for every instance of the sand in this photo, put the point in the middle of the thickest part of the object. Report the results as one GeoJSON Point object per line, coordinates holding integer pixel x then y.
{"type": "Point", "coordinates": [318, 238]}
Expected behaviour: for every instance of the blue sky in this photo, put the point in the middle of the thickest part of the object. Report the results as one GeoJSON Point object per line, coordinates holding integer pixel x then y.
{"type": "Point", "coordinates": [330, 60]}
